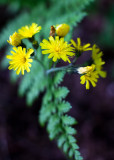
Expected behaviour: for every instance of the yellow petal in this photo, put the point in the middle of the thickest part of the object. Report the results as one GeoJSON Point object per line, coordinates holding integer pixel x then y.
{"type": "Point", "coordinates": [87, 84]}
{"type": "Point", "coordinates": [74, 44]}
{"type": "Point", "coordinates": [78, 41]}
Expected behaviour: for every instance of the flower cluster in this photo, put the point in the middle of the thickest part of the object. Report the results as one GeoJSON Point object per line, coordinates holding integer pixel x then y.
{"type": "Point", "coordinates": [92, 73]}
{"type": "Point", "coordinates": [20, 59]}
{"type": "Point", "coordinates": [57, 48]}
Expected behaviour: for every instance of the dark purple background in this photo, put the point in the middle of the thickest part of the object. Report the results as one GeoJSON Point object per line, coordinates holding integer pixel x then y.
{"type": "Point", "coordinates": [21, 137]}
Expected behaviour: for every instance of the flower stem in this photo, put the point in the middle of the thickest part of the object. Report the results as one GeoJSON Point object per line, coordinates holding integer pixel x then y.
{"type": "Point", "coordinates": [68, 68]}
{"type": "Point", "coordinates": [39, 62]}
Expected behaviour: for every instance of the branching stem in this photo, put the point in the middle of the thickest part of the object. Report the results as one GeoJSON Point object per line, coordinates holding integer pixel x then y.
{"type": "Point", "coordinates": [68, 68]}
{"type": "Point", "coordinates": [57, 69]}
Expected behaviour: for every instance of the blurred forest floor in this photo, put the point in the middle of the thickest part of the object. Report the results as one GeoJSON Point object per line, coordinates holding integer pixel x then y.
{"type": "Point", "coordinates": [21, 137]}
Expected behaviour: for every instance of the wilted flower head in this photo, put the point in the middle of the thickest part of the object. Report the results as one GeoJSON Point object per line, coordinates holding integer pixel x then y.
{"type": "Point", "coordinates": [15, 39]}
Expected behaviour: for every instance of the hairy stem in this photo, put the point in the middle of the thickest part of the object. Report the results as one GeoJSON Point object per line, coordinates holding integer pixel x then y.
{"type": "Point", "coordinates": [69, 68]}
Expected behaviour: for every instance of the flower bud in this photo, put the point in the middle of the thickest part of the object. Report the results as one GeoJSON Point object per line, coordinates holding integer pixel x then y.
{"type": "Point", "coordinates": [62, 30]}
{"type": "Point", "coordinates": [84, 70]}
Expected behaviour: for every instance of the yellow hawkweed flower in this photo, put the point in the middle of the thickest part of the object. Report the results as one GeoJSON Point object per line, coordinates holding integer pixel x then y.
{"type": "Point", "coordinates": [90, 76]}
{"type": "Point", "coordinates": [102, 73]}
{"type": "Point", "coordinates": [97, 59]}
{"type": "Point", "coordinates": [29, 31]}
{"type": "Point", "coordinates": [80, 48]}
{"type": "Point", "coordinates": [83, 70]}
{"type": "Point", "coordinates": [20, 60]}
{"type": "Point", "coordinates": [57, 48]}
{"type": "Point", "coordinates": [62, 30]}
{"type": "Point", "coordinates": [15, 39]}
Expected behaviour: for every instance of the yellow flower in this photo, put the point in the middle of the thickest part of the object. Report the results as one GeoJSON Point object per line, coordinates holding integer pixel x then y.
{"type": "Point", "coordinates": [97, 59]}
{"type": "Point", "coordinates": [62, 30]}
{"type": "Point", "coordinates": [57, 48]}
{"type": "Point", "coordinates": [90, 76]}
{"type": "Point", "coordinates": [80, 48]}
{"type": "Point", "coordinates": [20, 60]}
{"type": "Point", "coordinates": [102, 73]}
{"type": "Point", "coordinates": [15, 39]}
{"type": "Point", "coordinates": [83, 70]}
{"type": "Point", "coordinates": [29, 31]}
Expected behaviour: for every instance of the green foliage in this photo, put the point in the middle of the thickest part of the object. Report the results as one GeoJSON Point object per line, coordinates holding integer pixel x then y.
{"type": "Point", "coordinates": [108, 30]}
{"type": "Point", "coordinates": [53, 112]}
{"type": "Point", "coordinates": [20, 3]}
{"type": "Point", "coordinates": [66, 11]}
{"type": "Point", "coordinates": [33, 83]}
{"type": "Point", "coordinates": [59, 125]}
{"type": "Point", "coordinates": [64, 107]}
{"type": "Point", "coordinates": [61, 92]}
{"type": "Point", "coordinates": [68, 120]}
{"type": "Point", "coordinates": [58, 78]}
{"type": "Point", "coordinates": [107, 22]}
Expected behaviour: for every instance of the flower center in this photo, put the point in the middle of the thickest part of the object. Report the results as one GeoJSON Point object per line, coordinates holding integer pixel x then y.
{"type": "Point", "coordinates": [57, 49]}
{"type": "Point", "coordinates": [23, 59]}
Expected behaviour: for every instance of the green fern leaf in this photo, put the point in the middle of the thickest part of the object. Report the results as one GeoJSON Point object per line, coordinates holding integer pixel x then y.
{"type": "Point", "coordinates": [13, 77]}
{"type": "Point", "coordinates": [61, 140]}
{"type": "Point", "coordinates": [65, 147]}
{"type": "Point", "coordinates": [47, 97]}
{"type": "Point", "coordinates": [75, 146]}
{"type": "Point", "coordinates": [71, 152]}
{"type": "Point", "coordinates": [64, 107]}
{"type": "Point", "coordinates": [70, 130]}
{"type": "Point", "coordinates": [54, 133]}
{"type": "Point", "coordinates": [61, 92]}
{"type": "Point", "coordinates": [32, 95]}
{"type": "Point", "coordinates": [53, 121]}
{"type": "Point", "coordinates": [45, 113]}
{"type": "Point", "coordinates": [24, 85]}
{"type": "Point", "coordinates": [77, 155]}
{"type": "Point", "coordinates": [71, 139]}
{"type": "Point", "coordinates": [68, 120]}
{"type": "Point", "coordinates": [58, 78]}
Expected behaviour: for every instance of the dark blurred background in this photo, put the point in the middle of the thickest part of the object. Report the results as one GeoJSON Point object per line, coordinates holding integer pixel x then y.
{"type": "Point", "coordinates": [22, 138]}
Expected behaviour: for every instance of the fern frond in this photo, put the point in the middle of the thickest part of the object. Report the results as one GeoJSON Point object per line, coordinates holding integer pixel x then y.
{"type": "Point", "coordinates": [33, 83]}
{"type": "Point", "coordinates": [59, 124]}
